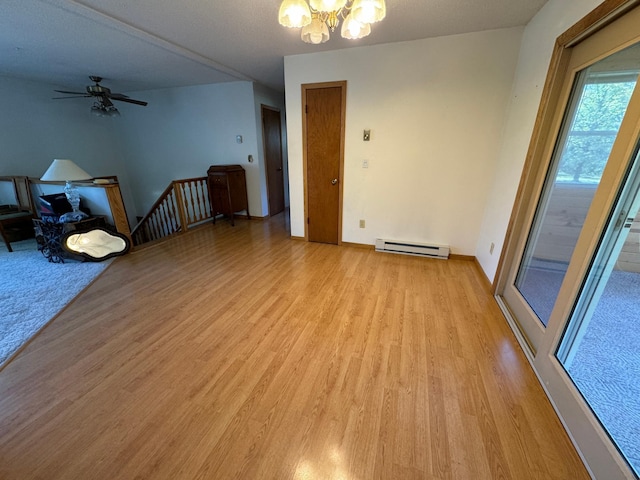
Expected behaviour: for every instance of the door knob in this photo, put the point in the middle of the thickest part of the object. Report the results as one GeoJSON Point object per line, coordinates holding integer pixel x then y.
{"type": "Point", "coordinates": [334, 181]}
{"type": "Point", "coordinates": [279, 169]}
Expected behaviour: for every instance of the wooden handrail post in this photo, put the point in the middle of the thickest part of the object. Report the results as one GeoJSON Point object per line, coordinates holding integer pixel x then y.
{"type": "Point", "coordinates": [181, 209]}
{"type": "Point", "coordinates": [118, 212]}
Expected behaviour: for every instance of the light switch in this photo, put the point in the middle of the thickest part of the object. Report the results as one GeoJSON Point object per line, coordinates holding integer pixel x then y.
{"type": "Point", "coordinates": [238, 138]}
{"type": "Point", "coordinates": [366, 136]}
{"type": "Point", "coordinates": [365, 163]}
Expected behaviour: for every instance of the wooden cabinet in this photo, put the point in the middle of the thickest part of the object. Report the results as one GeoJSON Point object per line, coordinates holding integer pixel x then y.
{"type": "Point", "coordinates": [227, 191]}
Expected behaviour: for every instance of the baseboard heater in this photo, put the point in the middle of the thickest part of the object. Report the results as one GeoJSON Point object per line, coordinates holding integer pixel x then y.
{"type": "Point", "coordinates": [411, 248]}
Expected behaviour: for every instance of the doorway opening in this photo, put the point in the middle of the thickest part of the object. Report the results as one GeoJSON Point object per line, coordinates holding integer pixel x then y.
{"type": "Point", "coordinates": [272, 139]}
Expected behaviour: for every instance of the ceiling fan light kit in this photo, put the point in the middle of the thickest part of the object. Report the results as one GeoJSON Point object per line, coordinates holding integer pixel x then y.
{"type": "Point", "coordinates": [102, 107]}
{"type": "Point", "coordinates": [319, 16]}
{"type": "Point", "coordinates": [101, 110]}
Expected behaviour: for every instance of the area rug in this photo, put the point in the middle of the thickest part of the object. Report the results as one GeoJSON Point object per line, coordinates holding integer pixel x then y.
{"type": "Point", "coordinates": [33, 291]}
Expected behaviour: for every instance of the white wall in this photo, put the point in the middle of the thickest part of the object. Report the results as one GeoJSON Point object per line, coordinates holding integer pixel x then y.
{"type": "Point", "coordinates": [533, 62]}
{"type": "Point", "coordinates": [436, 110]}
{"type": "Point", "coordinates": [35, 129]}
{"type": "Point", "coordinates": [185, 130]}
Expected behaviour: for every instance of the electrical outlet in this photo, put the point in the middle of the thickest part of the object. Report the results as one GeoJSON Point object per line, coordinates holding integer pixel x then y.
{"type": "Point", "coordinates": [365, 163]}
{"type": "Point", "coordinates": [361, 223]}
{"type": "Point", "coordinates": [491, 248]}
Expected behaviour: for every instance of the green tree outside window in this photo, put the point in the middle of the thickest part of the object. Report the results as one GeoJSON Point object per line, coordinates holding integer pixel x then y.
{"type": "Point", "coordinates": [594, 130]}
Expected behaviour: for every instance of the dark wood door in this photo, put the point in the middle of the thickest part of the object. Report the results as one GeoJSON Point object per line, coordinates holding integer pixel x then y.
{"type": "Point", "coordinates": [272, 136]}
{"type": "Point", "coordinates": [324, 144]}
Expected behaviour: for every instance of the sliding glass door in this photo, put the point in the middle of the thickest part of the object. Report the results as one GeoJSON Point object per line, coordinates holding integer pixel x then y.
{"type": "Point", "coordinates": [600, 347]}
{"type": "Point", "coordinates": [599, 99]}
{"type": "Point", "coordinates": [570, 284]}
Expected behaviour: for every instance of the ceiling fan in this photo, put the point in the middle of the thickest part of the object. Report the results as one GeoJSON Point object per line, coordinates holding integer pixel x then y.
{"type": "Point", "coordinates": [103, 106]}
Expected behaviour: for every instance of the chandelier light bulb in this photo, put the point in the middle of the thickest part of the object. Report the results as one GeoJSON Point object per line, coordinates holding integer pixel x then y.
{"type": "Point", "coordinates": [316, 32]}
{"type": "Point", "coordinates": [368, 11]}
{"type": "Point", "coordinates": [317, 17]}
{"type": "Point", "coordinates": [294, 14]}
{"type": "Point", "coordinates": [352, 29]}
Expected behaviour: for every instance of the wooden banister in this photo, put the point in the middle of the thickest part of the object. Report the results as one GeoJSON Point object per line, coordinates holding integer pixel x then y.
{"type": "Point", "coordinates": [183, 204]}
{"type": "Point", "coordinates": [154, 207]}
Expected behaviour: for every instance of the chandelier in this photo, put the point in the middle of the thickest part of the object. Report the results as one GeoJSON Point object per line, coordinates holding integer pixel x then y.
{"type": "Point", "coordinates": [319, 16]}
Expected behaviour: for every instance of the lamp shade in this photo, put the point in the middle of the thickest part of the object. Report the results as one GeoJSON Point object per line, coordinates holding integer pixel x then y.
{"type": "Point", "coordinates": [352, 29]}
{"type": "Point", "coordinates": [316, 32]}
{"type": "Point", "coordinates": [368, 11]}
{"type": "Point", "coordinates": [64, 171]}
{"type": "Point", "coordinates": [294, 13]}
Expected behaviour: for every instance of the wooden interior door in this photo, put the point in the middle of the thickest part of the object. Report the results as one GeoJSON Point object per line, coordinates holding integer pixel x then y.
{"type": "Point", "coordinates": [324, 115]}
{"type": "Point", "coordinates": [272, 135]}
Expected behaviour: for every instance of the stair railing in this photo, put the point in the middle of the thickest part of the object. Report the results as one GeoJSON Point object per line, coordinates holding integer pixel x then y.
{"type": "Point", "coordinates": [183, 204]}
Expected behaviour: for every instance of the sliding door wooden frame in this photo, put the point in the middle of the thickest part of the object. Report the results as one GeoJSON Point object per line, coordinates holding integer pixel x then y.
{"type": "Point", "coordinates": [600, 17]}
{"type": "Point", "coordinates": [591, 439]}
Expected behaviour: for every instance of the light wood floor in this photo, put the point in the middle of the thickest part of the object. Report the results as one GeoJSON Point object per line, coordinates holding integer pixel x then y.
{"type": "Point", "coordinates": [236, 352]}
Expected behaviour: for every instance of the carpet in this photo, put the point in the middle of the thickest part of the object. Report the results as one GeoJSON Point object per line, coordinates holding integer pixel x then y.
{"type": "Point", "coordinates": [33, 291]}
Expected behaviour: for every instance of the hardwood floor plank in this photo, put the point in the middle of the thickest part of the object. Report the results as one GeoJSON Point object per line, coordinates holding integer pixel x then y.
{"type": "Point", "coordinates": [238, 353]}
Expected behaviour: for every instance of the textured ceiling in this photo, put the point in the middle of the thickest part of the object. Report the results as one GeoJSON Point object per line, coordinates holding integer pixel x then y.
{"type": "Point", "coordinates": [149, 44]}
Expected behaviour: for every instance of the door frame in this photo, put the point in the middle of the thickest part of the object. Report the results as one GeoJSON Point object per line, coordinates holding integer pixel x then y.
{"type": "Point", "coordinates": [342, 84]}
{"type": "Point", "coordinates": [264, 107]}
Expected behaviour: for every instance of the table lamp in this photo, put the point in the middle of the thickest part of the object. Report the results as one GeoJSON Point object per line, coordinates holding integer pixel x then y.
{"type": "Point", "coordinates": [67, 171]}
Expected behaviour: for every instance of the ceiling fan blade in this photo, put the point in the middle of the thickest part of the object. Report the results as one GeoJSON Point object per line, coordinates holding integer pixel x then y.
{"type": "Point", "coordinates": [60, 98]}
{"type": "Point", "coordinates": [73, 93]}
{"type": "Point", "coordinates": [130, 100]}
{"type": "Point", "coordinates": [102, 95]}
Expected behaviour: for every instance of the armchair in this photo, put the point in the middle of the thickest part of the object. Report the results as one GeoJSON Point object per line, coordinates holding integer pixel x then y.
{"type": "Point", "coordinates": [15, 220]}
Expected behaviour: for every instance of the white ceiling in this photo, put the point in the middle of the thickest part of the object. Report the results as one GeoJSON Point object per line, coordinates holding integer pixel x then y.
{"type": "Point", "coordinates": [149, 44]}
